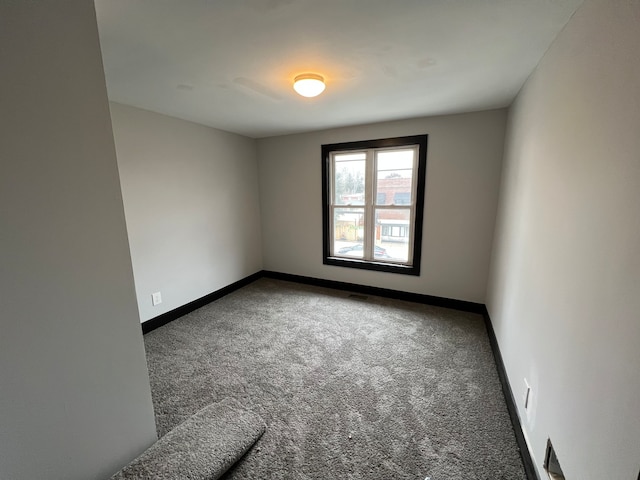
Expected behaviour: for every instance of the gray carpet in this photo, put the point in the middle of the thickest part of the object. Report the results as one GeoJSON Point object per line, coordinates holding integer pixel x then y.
{"type": "Point", "coordinates": [203, 447]}
{"type": "Point", "coordinates": [350, 388]}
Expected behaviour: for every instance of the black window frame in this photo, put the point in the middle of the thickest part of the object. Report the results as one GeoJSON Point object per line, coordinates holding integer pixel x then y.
{"type": "Point", "coordinates": [414, 269]}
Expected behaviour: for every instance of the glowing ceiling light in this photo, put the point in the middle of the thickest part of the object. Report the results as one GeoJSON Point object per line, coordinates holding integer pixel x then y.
{"type": "Point", "coordinates": [309, 84]}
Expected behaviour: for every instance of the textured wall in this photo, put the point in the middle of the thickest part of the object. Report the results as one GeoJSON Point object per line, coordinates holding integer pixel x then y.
{"type": "Point", "coordinates": [75, 401]}
{"type": "Point", "coordinates": [191, 203]}
{"type": "Point", "coordinates": [565, 282]}
{"type": "Point", "coordinates": [463, 175]}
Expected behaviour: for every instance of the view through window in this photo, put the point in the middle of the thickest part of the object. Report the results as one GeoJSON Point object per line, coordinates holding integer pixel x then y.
{"type": "Point", "coordinates": [373, 195]}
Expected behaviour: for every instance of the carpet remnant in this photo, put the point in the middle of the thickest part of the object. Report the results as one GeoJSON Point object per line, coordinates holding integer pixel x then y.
{"type": "Point", "coordinates": [377, 389]}
{"type": "Point", "coordinates": [203, 447]}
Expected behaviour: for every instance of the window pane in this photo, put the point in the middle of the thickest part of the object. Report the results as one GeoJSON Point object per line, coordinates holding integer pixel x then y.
{"type": "Point", "coordinates": [348, 235]}
{"type": "Point", "coordinates": [394, 177]}
{"type": "Point", "coordinates": [392, 234]}
{"type": "Point", "coordinates": [402, 198]}
{"type": "Point", "coordinates": [341, 157]}
{"type": "Point", "coordinates": [395, 159]}
{"type": "Point", "coordinates": [349, 172]}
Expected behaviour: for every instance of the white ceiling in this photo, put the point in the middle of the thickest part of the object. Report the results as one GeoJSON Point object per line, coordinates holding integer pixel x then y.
{"type": "Point", "coordinates": [230, 64]}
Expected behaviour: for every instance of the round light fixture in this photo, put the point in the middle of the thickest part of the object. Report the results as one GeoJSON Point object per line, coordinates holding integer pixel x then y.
{"type": "Point", "coordinates": [309, 84]}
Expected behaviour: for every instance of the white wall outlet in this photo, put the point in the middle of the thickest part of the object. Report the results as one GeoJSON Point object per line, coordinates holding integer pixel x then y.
{"type": "Point", "coordinates": [156, 298]}
{"type": "Point", "coordinates": [527, 394]}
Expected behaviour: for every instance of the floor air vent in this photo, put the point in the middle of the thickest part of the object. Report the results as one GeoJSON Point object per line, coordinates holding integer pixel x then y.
{"type": "Point", "coordinates": [358, 297]}
{"type": "Point", "coordinates": [551, 464]}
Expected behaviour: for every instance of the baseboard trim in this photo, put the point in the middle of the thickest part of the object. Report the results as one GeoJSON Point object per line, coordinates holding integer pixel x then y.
{"type": "Point", "coordinates": [381, 292]}
{"type": "Point", "coordinates": [176, 313]}
{"type": "Point", "coordinates": [527, 461]}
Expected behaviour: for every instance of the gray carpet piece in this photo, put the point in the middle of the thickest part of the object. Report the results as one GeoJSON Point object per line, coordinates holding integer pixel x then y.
{"type": "Point", "coordinates": [203, 447]}
{"type": "Point", "coordinates": [351, 388]}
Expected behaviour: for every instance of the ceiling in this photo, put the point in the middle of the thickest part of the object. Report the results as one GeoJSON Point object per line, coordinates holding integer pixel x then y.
{"type": "Point", "coordinates": [230, 64]}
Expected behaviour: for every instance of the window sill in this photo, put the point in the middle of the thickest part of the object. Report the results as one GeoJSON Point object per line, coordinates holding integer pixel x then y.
{"type": "Point", "coordinates": [376, 266]}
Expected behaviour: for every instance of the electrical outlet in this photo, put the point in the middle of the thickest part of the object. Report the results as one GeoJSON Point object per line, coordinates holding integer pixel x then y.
{"type": "Point", "coordinates": [156, 298]}
{"type": "Point", "coordinates": [527, 394]}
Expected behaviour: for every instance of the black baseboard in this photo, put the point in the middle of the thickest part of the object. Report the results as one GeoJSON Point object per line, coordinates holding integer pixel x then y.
{"type": "Point", "coordinates": [176, 313]}
{"type": "Point", "coordinates": [381, 292]}
{"type": "Point", "coordinates": [527, 461]}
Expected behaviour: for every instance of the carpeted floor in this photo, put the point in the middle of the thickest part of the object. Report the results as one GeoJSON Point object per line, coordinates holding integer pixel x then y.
{"type": "Point", "coordinates": [349, 387]}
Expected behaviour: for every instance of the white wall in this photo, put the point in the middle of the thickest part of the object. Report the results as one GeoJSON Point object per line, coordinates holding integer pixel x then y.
{"type": "Point", "coordinates": [564, 293]}
{"type": "Point", "coordinates": [463, 175]}
{"type": "Point", "coordinates": [191, 203]}
{"type": "Point", "coordinates": [75, 401]}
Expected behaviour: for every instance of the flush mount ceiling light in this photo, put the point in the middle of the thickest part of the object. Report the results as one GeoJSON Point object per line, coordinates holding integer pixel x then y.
{"type": "Point", "coordinates": [309, 84]}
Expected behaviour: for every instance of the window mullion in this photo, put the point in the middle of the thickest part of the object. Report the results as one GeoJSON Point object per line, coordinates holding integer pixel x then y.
{"type": "Point", "coordinates": [368, 206]}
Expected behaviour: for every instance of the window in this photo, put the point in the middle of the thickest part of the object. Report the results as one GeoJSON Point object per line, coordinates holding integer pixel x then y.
{"type": "Point", "coordinates": [402, 198]}
{"type": "Point", "coordinates": [373, 203]}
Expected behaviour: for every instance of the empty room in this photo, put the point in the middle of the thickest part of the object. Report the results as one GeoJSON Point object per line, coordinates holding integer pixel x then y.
{"type": "Point", "coordinates": [303, 239]}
